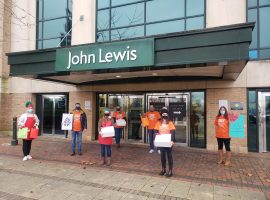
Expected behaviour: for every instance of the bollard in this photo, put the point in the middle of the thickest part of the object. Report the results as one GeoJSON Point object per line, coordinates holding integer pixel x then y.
{"type": "Point", "coordinates": [14, 140]}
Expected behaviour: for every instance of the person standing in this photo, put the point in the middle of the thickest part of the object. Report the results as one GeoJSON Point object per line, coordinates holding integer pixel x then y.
{"type": "Point", "coordinates": [222, 125]}
{"type": "Point", "coordinates": [166, 126]}
{"type": "Point", "coordinates": [105, 142]}
{"type": "Point", "coordinates": [153, 117]}
{"type": "Point", "coordinates": [118, 115]}
{"type": "Point", "coordinates": [28, 120]}
{"type": "Point", "coordinates": [78, 126]}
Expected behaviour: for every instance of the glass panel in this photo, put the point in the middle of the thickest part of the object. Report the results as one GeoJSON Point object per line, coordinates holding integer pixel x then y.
{"type": "Point", "coordinates": [51, 43]}
{"type": "Point", "coordinates": [264, 2]}
{"type": "Point", "coordinates": [253, 54]}
{"type": "Point", "coordinates": [129, 32]}
{"type": "Point", "coordinates": [103, 19]}
{"type": "Point", "coordinates": [60, 108]}
{"type": "Point", "coordinates": [40, 9]}
{"type": "Point", "coordinates": [173, 26]}
{"type": "Point", "coordinates": [264, 27]}
{"type": "Point", "coordinates": [195, 23]}
{"type": "Point", "coordinates": [252, 3]}
{"type": "Point", "coordinates": [48, 115]}
{"type": "Point", "coordinates": [121, 2]}
{"type": "Point", "coordinates": [103, 36]}
{"type": "Point", "coordinates": [163, 10]}
{"type": "Point", "coordinates": [178, 114]}
{"type": "Point", "coordinates": [54, 28]}
{"type": "Point", "coordinates": [267, 122]}
{"type": "Point", "coordinates": [39, 30]}
{"type": "Point", "coordinates": [252, 17]}
{"type": "Point", "coordinates": [195, 7]}
{"type": "Point", "coordinates": [197, 120]}
{"type": "Point", "coordinates": [39, 44]}
{"type": "Point", "coordinates": [127, 15]}
{"type": "Point", "coordinates": [265, 54]}
{"type": "Point", "coordinates": [103, 3]}
{"type": "Point", "coordinates": [135, 110]}
{"type": "Point", "coordinates": [252, 122]}
{"type": "Point", "coordinates": [54, 8]}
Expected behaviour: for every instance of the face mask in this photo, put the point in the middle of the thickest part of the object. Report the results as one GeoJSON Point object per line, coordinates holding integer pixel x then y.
{"type": "Point", "coordinates": [78, 107]}
{"type": "Point", "coordinates": [222, 112]}
{"type": "Point", "coordinates": [107, 114]}
{"type": "Point", "coordinates": [30, 110]}
{"type": "Point", "coordinates": [165, 117]}
{"type": "Point", "coordinates": [118, 109]}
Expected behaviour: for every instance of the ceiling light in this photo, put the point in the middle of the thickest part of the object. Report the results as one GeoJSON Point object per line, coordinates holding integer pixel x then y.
{"type": "Point", "coordinates": [154, 74]}
{"type": "Point", "coordinates": [118, 76]}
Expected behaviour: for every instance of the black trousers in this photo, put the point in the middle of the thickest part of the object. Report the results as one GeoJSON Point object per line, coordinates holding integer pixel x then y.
{"type": "Point", "coordinates": [226, 142]}
{"type": "Point", "coordinates": [26, 147]}
{"type": "Point", "coordinates": [166, 152]}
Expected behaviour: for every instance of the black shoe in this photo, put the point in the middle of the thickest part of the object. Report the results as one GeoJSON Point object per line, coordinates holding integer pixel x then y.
{"type": "Point", "coordinates": [80, 154]}
{"type": "Point", "coordinates": [73, 154]}
{"type": "Point", "coordinates": [163, 172]}
{"type": "Point", "coordinates": [169, 174]}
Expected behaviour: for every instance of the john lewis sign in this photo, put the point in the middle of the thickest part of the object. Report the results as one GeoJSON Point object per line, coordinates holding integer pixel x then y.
{"type": "Point", "coordinates": [135, 53]}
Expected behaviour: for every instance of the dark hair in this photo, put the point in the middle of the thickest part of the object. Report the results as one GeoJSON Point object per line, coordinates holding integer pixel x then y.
{"type": "Point", "coordinates": [226, 112]}
{"type": "Point", "coordinates": [151, 104]}
{"type": "Point", "coordinates": [77, 103]}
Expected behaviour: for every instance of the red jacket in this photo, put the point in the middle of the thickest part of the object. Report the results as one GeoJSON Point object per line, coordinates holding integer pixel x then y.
{"type": "Point", "coordinates": [106, 140]}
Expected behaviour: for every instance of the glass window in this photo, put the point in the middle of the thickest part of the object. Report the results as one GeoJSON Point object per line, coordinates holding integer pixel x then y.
{"type": "Point", "coordinates": [194, 7]}
{"type": "Point", "coordinates": [163, 10]}
{"type": "Point", "coordinates": [195, 23]}
{"type": "Point", "coordinates": [53, 9]}
{"type": "Point", "coordinates": [252, 3]}
{"type": "Point", "coordinates": [252, 17]}
{"type": "Point", "coordinates": [197, 120]}
{"type": "Point", "coordinates": [264, 2]}
{"type": "Point", "coordinates": [121, 2]}
{"type": "Point", "coordinates": [127, 15]}
{"type": "Point", "coordinates": [54, 28]}
{"type": "Point", "coordinates": [265, 53]}
{"type": "Point", "coordinates": [265, 27]}
{"type": "Point", "coordinates": [51, 43]}
{"type": "Point", "coordinates": [252, 122]}
{"type": "Point", "coordinates": [158, 28]}
{"type": "Point", "coordinates": [103, 3]}
{"type": "Point", "coordinates": [103, 19]}
{"type": "Point", "coordinates": [130, 32]}
{"type": "Point", "coordinates": [103, 36]}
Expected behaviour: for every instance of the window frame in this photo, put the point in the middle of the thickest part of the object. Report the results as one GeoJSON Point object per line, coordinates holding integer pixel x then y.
{"type": "Point", "coordinates": [110, 29]}
{"type": "Point", "coordinates": [258, 49]}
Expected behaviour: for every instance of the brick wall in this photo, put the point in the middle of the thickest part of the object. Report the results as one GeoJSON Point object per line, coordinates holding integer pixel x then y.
{"type": "Point", "coordinates": [212, 99]}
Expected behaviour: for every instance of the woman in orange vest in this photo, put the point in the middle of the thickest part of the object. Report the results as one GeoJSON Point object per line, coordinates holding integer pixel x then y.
{"type": "Point", "coordinates": [166, 126]}
{"type": "Point", "coordinates": [222, 124]}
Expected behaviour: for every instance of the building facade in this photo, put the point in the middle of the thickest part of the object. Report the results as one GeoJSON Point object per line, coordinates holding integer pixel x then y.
{"type": "Point", "coordinates": [189, 55]}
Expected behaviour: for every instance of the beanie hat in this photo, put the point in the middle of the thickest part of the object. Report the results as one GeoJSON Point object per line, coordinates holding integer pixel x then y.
{"type": "Point", "coordinates": [28, 104]}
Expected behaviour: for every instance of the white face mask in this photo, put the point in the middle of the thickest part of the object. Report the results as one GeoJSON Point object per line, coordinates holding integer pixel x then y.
{"type": "Point", "coordinates": [30, 110]}
{"type": "Point", "coordinates": [222, 112]}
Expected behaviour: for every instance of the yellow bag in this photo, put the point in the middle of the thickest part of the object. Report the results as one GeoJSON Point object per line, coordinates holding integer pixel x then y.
{"type": "Point", "coordinates": [145, 121]}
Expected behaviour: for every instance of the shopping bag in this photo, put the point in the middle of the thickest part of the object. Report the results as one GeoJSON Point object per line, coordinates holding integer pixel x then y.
{"type": "Point", "coordinates": [34, 133]}
{"type": "Point", "coordinates": [23, 133]}
{"type": "Point", "coordinates": [107, 131]}
{"type": "Point", "coordinates": [145, 121]}
{"type": "Point", "coordinates": [163, 140]}
{"type": "Point", "coordinates": [121, 122]}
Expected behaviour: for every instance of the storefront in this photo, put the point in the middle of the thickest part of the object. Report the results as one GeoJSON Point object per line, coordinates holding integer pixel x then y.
{"type": "Point", "coordinates": [179, 71]}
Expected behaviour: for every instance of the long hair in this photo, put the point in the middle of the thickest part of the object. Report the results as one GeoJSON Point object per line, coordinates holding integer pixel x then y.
{"type": "Point", "coordinates": [226, 112]}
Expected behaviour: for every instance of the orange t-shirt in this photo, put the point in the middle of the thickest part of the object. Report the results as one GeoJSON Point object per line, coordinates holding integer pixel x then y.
{"type": "Point", "coordinates": [164, 128]}
{"type": "Point", "coordinates": [117, 116]}
{"type": "Point", "coordinates": [153, 118]}
{"type": "Point", "coordinates": [77, 126]}
{"type": "Point", "coordinates": [222, 127]}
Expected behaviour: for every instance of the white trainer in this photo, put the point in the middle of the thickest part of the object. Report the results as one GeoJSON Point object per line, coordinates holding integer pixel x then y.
{"type": "Point", "coordinates": [24, 158]}
{"type": "Point", "coordinates": [29, 157]}
{"type": "Point", "coordinates": [158, 151]}
{"type": "Point", "coordinates": [151, 151]}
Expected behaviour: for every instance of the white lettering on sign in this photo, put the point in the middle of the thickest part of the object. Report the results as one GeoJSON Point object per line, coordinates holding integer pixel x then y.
{"type": "Point", "coordinates": [103, 57]}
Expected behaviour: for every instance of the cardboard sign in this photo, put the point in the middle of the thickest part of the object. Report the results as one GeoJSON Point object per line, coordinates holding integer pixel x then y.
{"type": "Point", "coordinates": [67, 120]}
{"type": "Point", "coordinates": [107, 131]}
{"type": "Point", "coordinates": [163, 140]}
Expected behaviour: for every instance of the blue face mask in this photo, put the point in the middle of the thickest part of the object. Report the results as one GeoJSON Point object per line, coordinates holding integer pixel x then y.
{"type": "Point", "coordinates": [30, 110]}
{"type": "Point", "coordinates": [222, 112]}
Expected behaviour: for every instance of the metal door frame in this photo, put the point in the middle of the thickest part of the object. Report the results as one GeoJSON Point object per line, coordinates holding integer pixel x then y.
{"type": "Point", "coordinates": [180, 94]}
{"type": "Point", "coordinates": [53, 116]}
{"type": "Point", "coordinates": [262, 122]}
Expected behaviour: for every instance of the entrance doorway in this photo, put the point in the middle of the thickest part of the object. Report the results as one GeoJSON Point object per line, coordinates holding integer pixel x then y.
{"type": "Point", "coordinates": [264, 121]}
{"type": "Point", "coordinates": [53, 106]}
{"type": "Point", "coordinates": [133, 107]}
{"type": "Point", "coordinates": [178, 106]}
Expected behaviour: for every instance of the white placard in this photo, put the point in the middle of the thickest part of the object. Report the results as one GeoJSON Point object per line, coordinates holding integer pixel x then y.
{"type": "Point", "coordinates": [67, 120]}
{"type": "Point", "coordinates": [87, 105]}
{"type": "Point", "coordinates": [223, 103]}
{"type": "Point", "coordinates": [107, 131]}
{"type": "Point", "coordinates": [121, 122]}
{"type": "Point", "coordinates": [163, 140]}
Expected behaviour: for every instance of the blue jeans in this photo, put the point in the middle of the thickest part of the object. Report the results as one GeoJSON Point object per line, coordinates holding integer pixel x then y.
{"type": "Point", "coordinates": [118, 134]}
{"type": "Point", "coordinates": [108, 149]}
{"type": "Point", "coordinates": [151, 134]}
{"type": "Point", "coordinates": [77, 134]}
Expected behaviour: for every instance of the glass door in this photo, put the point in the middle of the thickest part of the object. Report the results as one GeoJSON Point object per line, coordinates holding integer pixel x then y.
{"type": "Point", "coordinates": [177, 105]}
{"type": "Point", "coordinates": [53, 108]}
{"type": "Point", "coordinates": [264, 121]}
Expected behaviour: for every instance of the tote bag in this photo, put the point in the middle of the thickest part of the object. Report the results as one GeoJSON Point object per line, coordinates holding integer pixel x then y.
{"type": "Point", "coordinates": [34, 133]}
{"type": "Point", "coordinates": [22, 133]}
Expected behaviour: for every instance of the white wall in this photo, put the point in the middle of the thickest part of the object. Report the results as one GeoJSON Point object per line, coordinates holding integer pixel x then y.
{"type": "Point", "coordinates": [83, 31]}
{"type": "Point", "coordinates": [225, 12]}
